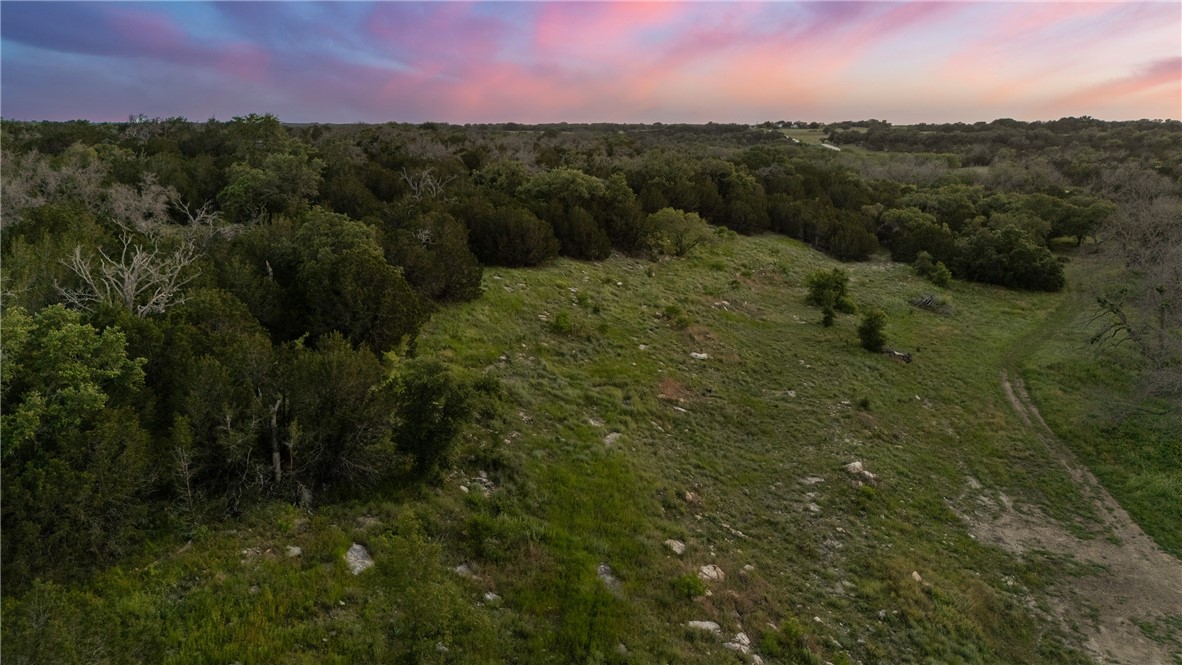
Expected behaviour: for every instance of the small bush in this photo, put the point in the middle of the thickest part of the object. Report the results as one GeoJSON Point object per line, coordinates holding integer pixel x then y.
{"type": "Point", "coordinates": [433, 405]}
{"type": "Point", "coordinates": [870, 331]}
{"type": "Point", "coordinates": [937, 273]}
{"type": "Point", "coordinates": [830, 289]}
{"type": "Point", "coordinates": [689, 586]}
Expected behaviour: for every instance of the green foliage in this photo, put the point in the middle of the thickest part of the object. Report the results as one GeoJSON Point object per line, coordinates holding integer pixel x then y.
{"type": "Point", "coordinates": [829, 290]}
{"type": "Point", "coordinates": [433, 405]}
{"type": "Point", "coordinates": [1007, 257]}
{"type": "Point", "coordinates": [910, 231]}
{"type": "Point", "coordinates": [870, 330]}
{"type": "Point", "coordinates": [689, 586]}
{"type": "Point", "coordinates": [434, 256]}
{"type": "Point", "coordinates": [937, 273]}
{"type": "Point", "coordinates": [670, 232]}
{"type": "Point", "coordinates": [76, 462]}
{"type": "Point", "coordinates": [337, 417]}
{"type": "Point", "coordinates": [579, 235]}
{"type": "Point", "coordinates": [509, 235]}
{"type": "Point", "coordinates": [348, 286]}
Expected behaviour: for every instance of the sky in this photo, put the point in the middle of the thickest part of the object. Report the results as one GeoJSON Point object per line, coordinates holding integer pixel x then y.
{"type": "Point", "coordinates": [534, 62]}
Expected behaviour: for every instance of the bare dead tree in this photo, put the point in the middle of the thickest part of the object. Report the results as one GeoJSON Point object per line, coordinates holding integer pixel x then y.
{"type": "Point", "coordinates": [425, 184]}
{"type": "Point", "coordinates": [144, 277]}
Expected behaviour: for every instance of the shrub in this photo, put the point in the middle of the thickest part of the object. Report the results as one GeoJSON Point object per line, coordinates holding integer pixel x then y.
{"type": "Point", "coordinates": [829, 290]}
{"type": "Point", "coordinates": [579, 235]}
{"type": "Point", "coordinates": [689, 586]}
{"type": "Point", "coordinates": [508, 236]}
{"type": "Point", "coordinates": [937, 273]}
{"type": "Point", "coordinates": [870, 331]}
{"type": "Point", "coordinates": [433, 405]}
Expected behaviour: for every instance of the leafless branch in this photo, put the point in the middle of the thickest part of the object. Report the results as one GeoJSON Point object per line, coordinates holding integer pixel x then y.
{"type": "Point", "coordinates": [144, 279]}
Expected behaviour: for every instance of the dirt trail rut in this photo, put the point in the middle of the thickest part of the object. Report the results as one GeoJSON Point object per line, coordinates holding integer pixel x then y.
{"type": "Point", "coordinates": [1134, 581]}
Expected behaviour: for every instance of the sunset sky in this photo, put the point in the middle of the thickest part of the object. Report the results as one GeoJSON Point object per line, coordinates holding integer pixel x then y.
{"type": "Point", "coordinates": [473, 62]}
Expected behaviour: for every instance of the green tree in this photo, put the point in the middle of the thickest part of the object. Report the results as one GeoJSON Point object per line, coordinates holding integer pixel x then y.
{"type": "Point", "coordinates": [348, 286]}
{"type": "Point", "coordinates": [870, 330]}
{"type": "Point", "coordinates": [76, 466]}
{"type": "Point", "coordinates": [828, 289]}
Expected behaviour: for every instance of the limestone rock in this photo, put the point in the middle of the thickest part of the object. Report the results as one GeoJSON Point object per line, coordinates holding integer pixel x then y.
{"type": "Point", "coordinates": [358, 559]}
{"type": "Point", "coordinates": [740, 642]}
{"type": "Point", "coordinates": [708, 626]}
{"type": "Point", "coordinates": [294, 551]}
{"type": "Point", "coordinates": [676, 546]}
{"type": "Point", "coordinates": [711, 573]}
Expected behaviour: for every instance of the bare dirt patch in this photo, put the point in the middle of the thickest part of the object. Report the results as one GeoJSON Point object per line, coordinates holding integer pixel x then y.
{"type": "Point", "coordinates": [1127, 582]}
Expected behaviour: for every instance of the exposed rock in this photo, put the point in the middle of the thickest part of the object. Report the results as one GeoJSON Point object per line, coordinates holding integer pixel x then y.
{"type": "Point", "coordinates": [611, 438]}
{"type": "Point", "coordinates": [916, 576]}
{"type": "Point", "coordinates": [677, 546]}
{"type": "Point", "coordinates": [367, 521]}
{"type": "Point", "coordinates": [358, 558]}
{"type": "Point", "coordinates": [463, 570]}
{"type": "Point", "coordinates": [711, 573]}
{"type": "Point", "coordinates": [740, 642]}
{"type": "Point", "coordinates": [748, 568]}
{"type": "Point", "coordinates": [294, 551]}
{"type": "Point", "coordinates": [605, 574]}
{"type": "Point", "coordinates": [691, 498]}
{"type": "Point", "coordinates": [490, 597]}
{"type": "Point", "coordinates": [756, 660]}
{"type": "Point", "coordinates": [699, 356]}
{"type": "Point", "coordinates": [705, 625]}
{"type": "Point", "coordinates": [811, 480]}
{"type": "Point", "coordinates": [440, 648]}
{"type": "Point", "coordinates": [859, 472]}
{"type": "Point", "coordinates": [814, 508]}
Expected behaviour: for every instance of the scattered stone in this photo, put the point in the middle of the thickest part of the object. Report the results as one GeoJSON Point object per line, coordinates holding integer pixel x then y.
{"type": "Point", "coordinates": [756, 660]}
{"type": "Point", "coordinates": [621, 649]}
{"type": "Point", "coordinates": [792, 393]}
{"type": "Point", "coordinates": [676, 546]}
{"type": "Point", "coordinates": [740, 642]}
{"type": "Point", "coordinates": [748, 568]}
{"type": "Point", "coordinates": [859, 472]}
{"type": "Point", "coordinates": [916, 576]}
{"type": "Point", "coordinates": [367, 521]}
{"type": "Point", "coordinates": [464, 489]}
{"type": "Point", "coordinates": [463, 570]}
{"type": "Point", "coordinates": [604, 572]}
{"type": "Point", "coordinates": [690, 497]}
{"type": "Point", "coordinates": [294, 551]}
{"type": "Point", "coordinates": [814, 508]}
{"type": "Point", "coordinates": [642, 347]}
{"type": "Point", "coordinates": [709, 626]}
{"type": "Point", "coordinates": [440, 648]}
{"type": "Point", "coordinates": [254, 588]}
{"type": "Point", "coordinates": [490, 597]}
{"type": "Point", "coordinates": [711, 573]}
{"type": "Point", "coordinates": [358, 558]}
{"type": "Point", "coordinates": [699, 356]}
{"type": "Point", "coordinates": [595, 422]}
{"type": "Point", "coordinates": [811, 480]}
{"type": "Point", "coordinates": [611, 438]}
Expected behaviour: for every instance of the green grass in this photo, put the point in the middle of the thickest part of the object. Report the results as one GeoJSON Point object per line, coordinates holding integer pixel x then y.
{"type": "Point", "coordinates": [710, 451]}
{"type": "Point", "coordinates": [1091, 399]}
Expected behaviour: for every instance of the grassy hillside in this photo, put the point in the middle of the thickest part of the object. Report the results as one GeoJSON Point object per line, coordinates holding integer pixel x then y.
{"type": "Point", "coordinates": [698, 400]}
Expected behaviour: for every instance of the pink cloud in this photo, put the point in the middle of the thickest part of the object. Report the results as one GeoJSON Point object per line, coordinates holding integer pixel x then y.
{"type": "Point", "coordinates": [1159, 82]}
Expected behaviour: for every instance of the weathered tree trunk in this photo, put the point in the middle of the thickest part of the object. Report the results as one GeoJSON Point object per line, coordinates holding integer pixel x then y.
{"type": "Point", "coordinates": [276, 463]}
